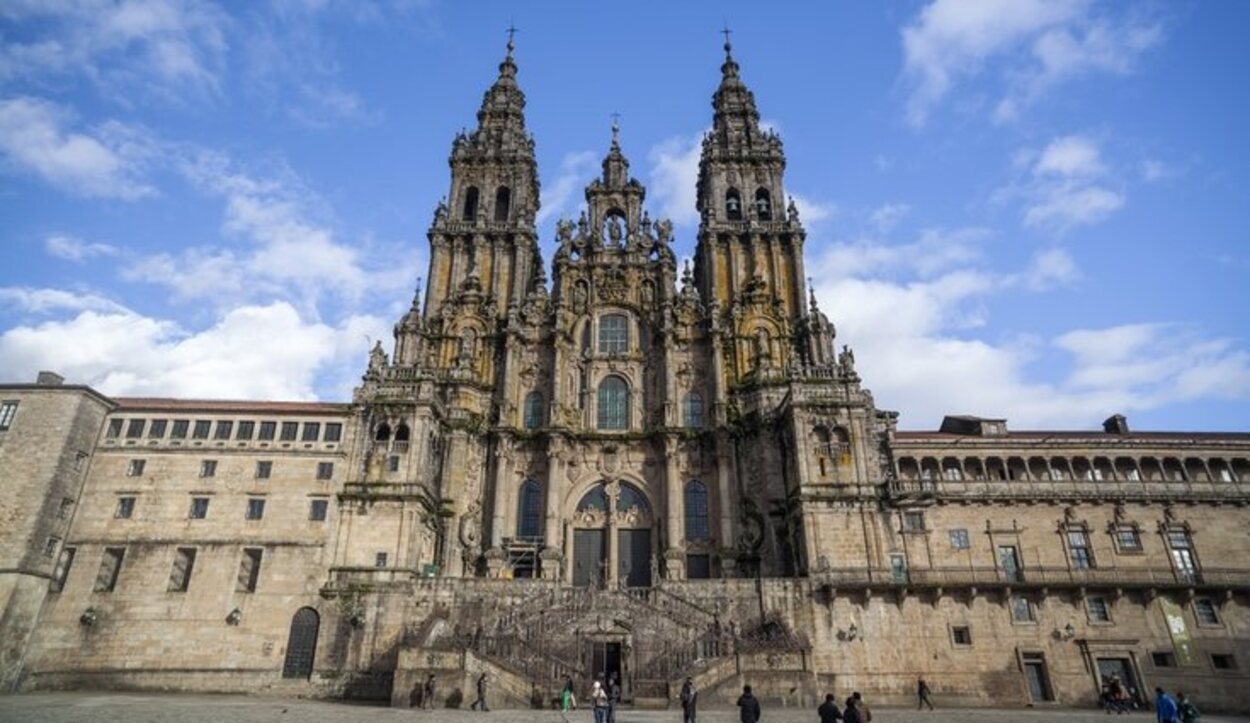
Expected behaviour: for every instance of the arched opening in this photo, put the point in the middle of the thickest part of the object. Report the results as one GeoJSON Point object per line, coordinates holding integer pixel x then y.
{"type": "Point", "coordinates": [530, 511]}
{"type": "Point", "coordinates": [503, 203]}
{"type": "Point", "coordinates": [613, 334]}
{"type": "Point", "coordinates": [733, 205]}
{"type": "Point", "coordinates": [301, 644]}
{"type": "Point", "coordinates": [401, 433]}
{"type": "Point", "coordinates": [383, 432]}
{"type": "Point", "coordinates": [613, 407]}
{"type": "Point", "coordinates": [624, 508]}
{"type": "Point", "coordinates": [692, 410]}
{"type": "Point", "coordinates": [533, 410]}
{"type": "Point", "coordinates": [470, 204]}
{"type": "Point", "coordinates": [763, 205]}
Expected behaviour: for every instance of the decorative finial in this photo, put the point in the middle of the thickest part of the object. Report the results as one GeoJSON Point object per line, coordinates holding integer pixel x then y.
{"type": "Point", "coordinates": [512, 28]}
{"type": "Point", "coordinates": [811, 293]}
{"type": "Point", "coordinates": [416, 295]}
{"type": "Point", "coordinates": [616, 129]}
{"type": "Point", "coordinates": [728, 44]}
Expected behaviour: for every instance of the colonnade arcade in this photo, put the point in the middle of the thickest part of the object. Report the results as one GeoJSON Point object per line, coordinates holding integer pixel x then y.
{"type": "Point", "coordinates": [1055, 468]}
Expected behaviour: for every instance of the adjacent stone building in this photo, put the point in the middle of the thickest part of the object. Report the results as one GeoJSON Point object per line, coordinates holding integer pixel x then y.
{"type": "Point", "coordinates": [632, 468]}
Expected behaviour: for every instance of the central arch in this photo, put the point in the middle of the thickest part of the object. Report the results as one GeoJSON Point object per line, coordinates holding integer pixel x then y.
{"type": "Point", "coordinates": [612, 536]}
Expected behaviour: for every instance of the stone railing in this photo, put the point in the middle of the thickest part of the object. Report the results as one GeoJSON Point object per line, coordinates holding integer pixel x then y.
{"type": "Point", "coordinates": [913, 489]}
{"type": "Point", "coordinates": [1027, 577]}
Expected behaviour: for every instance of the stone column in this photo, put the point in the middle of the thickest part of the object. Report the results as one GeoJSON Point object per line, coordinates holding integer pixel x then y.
{"type": "Point", "coordinates": [495, 556]}
{"type": "Point", "coordinates": [675, 561]}
{"type": "Point", "coordinates": [551, 554]}
{"type": "Point", "coordinates": [724, 498]}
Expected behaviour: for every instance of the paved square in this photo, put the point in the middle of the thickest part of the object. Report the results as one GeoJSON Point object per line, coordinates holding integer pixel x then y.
{"type": "Point", "coordinates": [156, 708]}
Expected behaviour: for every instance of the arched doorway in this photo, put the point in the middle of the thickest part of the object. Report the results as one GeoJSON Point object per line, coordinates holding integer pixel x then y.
{"type": "Point", "coordinates": [301, 644]}
{"type": "Point", "coordinates": [612, 539]}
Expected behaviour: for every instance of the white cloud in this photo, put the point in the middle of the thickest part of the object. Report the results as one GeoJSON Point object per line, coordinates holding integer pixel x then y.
{"type": "Point", "coordinates": [1066, 185]}
{"type": "Point", "coordinates": [1033, 44]}
{"type": "Point", "coordinates": [168, 48]}
{"type": "Point", "coordinates": [105, 162]}
{"type": "Point", "coordinates": [813, 212]}
{"type": "Point", "coordinates": [576, 170]}
{"type": "Point", "coordinates": [42, 301]}
{"type": "Point", "coordinates": [1154, 170]}
{"type": "Point", "coordinates": [253, 352]}
{"type": "Point", "coordinates": [886, 217]}
{"type": "Point", "coordinates": [74, 249]}
{"type": "Point", "coordinates": [1051, 268]}
{"type": "Point", "coordinates": [674, 176]}
{"type": "Point", "coordinates": [933, 252]}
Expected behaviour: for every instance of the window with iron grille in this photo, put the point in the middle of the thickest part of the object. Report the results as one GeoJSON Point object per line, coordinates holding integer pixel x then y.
{"type": "Point", "coordinates": [531, 509]}
{"type": "Point", "coordinates": [533, 410]}
{"type": "Point", "coordinates": [692, 409]}
{"type": "Point", "coordinates": [959, 539]}
{"type": "Point", "coordinates": [613, 404]}
{"type": "Point", "coordinates": [613, 334]}
{"type": "Point", "coordinates": [697, 527]}
{"type": "Point", "coordinates": [380, 559]}
{"type": "Point", "coordinates": [961, 635]}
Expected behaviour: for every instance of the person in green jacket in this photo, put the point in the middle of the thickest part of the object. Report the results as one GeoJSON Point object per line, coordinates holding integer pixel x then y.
{"type": "Point", "coordinates": [1187, 711]}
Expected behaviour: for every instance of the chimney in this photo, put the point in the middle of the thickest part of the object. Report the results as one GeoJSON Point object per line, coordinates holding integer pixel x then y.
{"type": "Point", "coordinates": [49, 379]}
{"type": "Point", "coordinates": [1115, 424]}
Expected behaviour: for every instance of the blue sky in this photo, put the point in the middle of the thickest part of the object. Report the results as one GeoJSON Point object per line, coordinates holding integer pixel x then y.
{"type": "Point", "coordinates": [1029, 209]}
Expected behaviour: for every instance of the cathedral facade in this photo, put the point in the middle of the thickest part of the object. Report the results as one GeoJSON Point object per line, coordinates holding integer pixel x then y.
{"type": "Point", "coordinates": [632, 467]}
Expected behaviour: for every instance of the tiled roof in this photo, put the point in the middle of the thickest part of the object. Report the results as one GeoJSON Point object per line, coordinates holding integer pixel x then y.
{"type": "Point", "coordinates": [160, 404]}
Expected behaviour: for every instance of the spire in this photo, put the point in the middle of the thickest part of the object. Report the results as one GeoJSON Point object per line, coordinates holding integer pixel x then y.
{"type": "Point", "coordinates": [416, 297]}
{"type": "Point", "coordinates": [501, 118]}
{"type": "Point", "coordinates": [615, 165]}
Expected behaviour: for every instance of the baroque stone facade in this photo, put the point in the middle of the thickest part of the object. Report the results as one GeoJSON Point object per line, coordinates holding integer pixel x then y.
{"type": "Point", "coordinates": [637, 468]}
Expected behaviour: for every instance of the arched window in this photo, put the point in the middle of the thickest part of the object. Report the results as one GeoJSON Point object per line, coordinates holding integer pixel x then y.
{"type": "Point", "coordinates": [763, 205]}
{"type": "Point", "coordinates": [401, 433]}
{"type": "Point", "coordinates": [530, 510]}
{"type": "Point", "coordinates": [595, 499]}
{"type": "Point", "coordinates": [631, 497]}
{"type": "Point", "coordinates": [696, 512]}
{"type": "Point", "coordinates": [383, 432]}
{"type": "Point", "coordinates": [733, 205]}
{"type": "Point", "coordinates": [613, 334]}
{"type": "Point", "coordinates": [301, 644]}
{"type": "Point", "coordinates": [503, 203]}
{"type": "Point", "coordinates": [613, 404]}
{"type": "Point", "coordinates": [692, 410]}
{"type": "Point", "coordinates": [470, 204]}
{"type": "Point", "coordinates": [533, 410]}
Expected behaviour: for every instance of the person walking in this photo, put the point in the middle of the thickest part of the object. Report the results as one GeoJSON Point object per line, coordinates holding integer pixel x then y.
{"type": "Point", "coordinates": [828, 711]}
{"type": "Point", "coordinates": [481, 694]}
{"type": "Point", "coordinates": [599, 701]}
{"type": "Point", "coordinates": [427, 694]}
{"type": "Point", "coordinates": [922, 695]}
{"type": "Point", "coordinates": [1165, 707]}
{"type": "Point", "coordinates": [850, 713]}
{"type": "Point", "coordinates": [748, 706]}
{"type": "Point", "coordinates": [689, 701]}
{"type": "Point", "coordinates": [614, 697]}
{"type": "Point", "coordinates": [1117, 698]}
{"type": "Point", "coordinates": [1187, 711]}
{"type": "Point", "coordinates": [568, 699]}
{"type": "Point", "coordinates": [865, 714]}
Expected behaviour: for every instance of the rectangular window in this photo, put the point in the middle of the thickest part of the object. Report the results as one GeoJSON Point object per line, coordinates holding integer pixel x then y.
{"type": "Point", "coordinates": [1205, 612]}
{"type": "Point", "coordinates": [961, 635]}
{"type": "Point", "coordinates": [379, 560]}
{"type": "Point", "coordinates": [224, 429]}
{"type": "Point", "coordinates": [208, 468]}
{"type": "Point", "coordinates": [959, 539]}
{"type": "Point", "coordinates": [613, 334]}
{"type": "Point", "coordinates": [135, 468]}
{"type": "Point", "coordinates": [200, 431]}
{"type": "Point", "coordinates": [1182, 554]}
{"type": "Point", "coordinates": [125, 508]}
{"type": "Point", "coordinates": [264, 470]}
{"type": "Point", "coordinates": [392, 463]}
{"type": "Point", "coordinates": [49, 547]}
{"type": "Point", "coordinates": [115, 429]}
{"type": "Point", "coordinates": [317, 510]}
{"type": "Point", "coordinates": [1163, 660]}
{"type": "Point", "coordinates": [698, 567]}
{"type": "Point", "coordinates": [8, 410]}
{"type": "Point", "coordinates": [67, 506]}
{"type": "Point", "coordinates": [179, 430]}
{"type": "Point", "coordinates": [110, 567]}
{"type": "Point", "coordinates": [1078, 547]}
{"type": "Point", "coordinates": [1021, 609]}
{"type": "Point", "coordinates": [199, 508]}
{"type": "Point", "coordinates": [249, 569]}
{"type": "Point", "coordinates": [1099, 611]}
{"type": "Point", "coordinates": [157, 429]}
{"type": "Point", "coordinates": [288, 431]}
{"type": "Point", "coordinates": [246, 430]}
{"type": "Point", "coordinates": [180, 575]}
{"type": "Point", "coordinates": [334, 432]}
{"type": "Point", "coordinates": [1223, 661]}
{"type": "Point", "coordinates": [79, 460]}
{"type": "Point", "coordinates": [255, 509]}
{"type": "Point", "coordinates": [325, 470]}
{"type": "Point", "coordinates": [312, 431]}
{"type": "Point", "coordinates": [134, 428]}
{"type": "Point", "coordinates": [267, 430]}
{"type": "Point", "coordinates": [913, 521]}
{"type": "Point", "coordinates": [1128, 539]}
{"type": "Point", "coordinates": [63, 564]}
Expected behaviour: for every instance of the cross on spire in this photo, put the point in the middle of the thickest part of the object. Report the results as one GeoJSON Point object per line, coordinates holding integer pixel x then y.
{"type": "Point", "coordinates": [728, 45]}
{"type": "Point", "coordinates": [616, 128]}
{"type": "Point", "coordinates": [512, 30]}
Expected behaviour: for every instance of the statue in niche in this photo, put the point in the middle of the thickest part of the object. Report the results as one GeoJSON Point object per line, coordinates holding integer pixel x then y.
{"type": "Point", "coordinates": [579, 297]}
{"type": "Point", "coordinates": [847, 360]}
{"type": "Point", "coordinates": [664, 231]}
{"type": "Point", "coordinates": [377, 358]}
{"type": "Point", "coordinates": [648, 293]}
{"type": "Point", "coordinates": [615, 232]}
{"type": "Point", "coordinates": [762, 357]}
{"type": "Point", "coordinates": [467, 348]}
{"type": "Point", "coordinates": [564, 231]}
